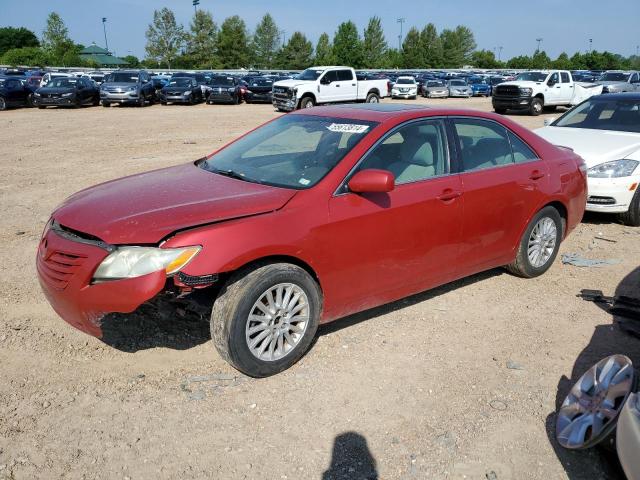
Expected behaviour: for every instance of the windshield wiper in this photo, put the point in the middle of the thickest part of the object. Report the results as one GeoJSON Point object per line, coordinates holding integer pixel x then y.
{"type": "Point", "coordinates": [233, 174]}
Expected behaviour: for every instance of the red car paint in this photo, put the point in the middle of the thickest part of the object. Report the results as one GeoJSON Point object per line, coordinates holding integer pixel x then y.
{"type": "Point", "coordinates": [363, 249]}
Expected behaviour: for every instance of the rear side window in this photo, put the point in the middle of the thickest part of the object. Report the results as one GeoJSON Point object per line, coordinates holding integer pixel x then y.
{"type": "Point", "coordinates": [521, 151]}
{"type": "Point", "coordinates": [482, 144]}
{"type": "Point", "coordinates": [345, 75]}
{"type": "Point", "coordinates": [565, 77]}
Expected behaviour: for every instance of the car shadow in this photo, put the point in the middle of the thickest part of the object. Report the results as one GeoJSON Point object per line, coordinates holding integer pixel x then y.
{"type": "Point", "coordinates": [356, 318]}
{"type": "Point", "coordinates": [607, 339]}
{"type": "Point", "coordinates": [351, 459]}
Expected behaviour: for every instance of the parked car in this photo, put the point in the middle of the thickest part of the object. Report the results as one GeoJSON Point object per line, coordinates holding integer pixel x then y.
{"type": "Point", "coordinates": [97, 77]}
{"type": "Point", "coordinates": [314, 216]}
{"type": "Point", "coordinates": [321, 85]}
{"type": "Point", "coordinates": [435, 89]}
{"type": "Point", "coordinates": [616, 82]}
{"type": "Point", "coordinates": [181, 90]}
{"type": "Point", "coordinates": [459, 88]}
{"type": "Point", "coordinates": [200, 78]}
{"type": "Point", "coordinates": [224, 89]}
{"type": "Point", "coordinates": [14, 92]}
{"type": "Point", "coordinates": [405, 87]}
{"type": "Point", "coordinates": [131, 87]}
{"type": "Point", "coordinates": [605, 131]}
{"type": "Point", "coordinates": [159, 81]}
{"type": "Point", "coordinates": [259, 90]}
{"type": "Point", "coordinates": [67, 92]}
{"type": "Point", "coordinates": [480, 86]}
{"type": "Point", "coordinates": [536, 90]}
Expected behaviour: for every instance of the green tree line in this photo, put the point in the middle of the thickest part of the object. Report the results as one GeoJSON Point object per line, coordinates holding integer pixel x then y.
{"type": "Point", "coordinates": [205, 45]}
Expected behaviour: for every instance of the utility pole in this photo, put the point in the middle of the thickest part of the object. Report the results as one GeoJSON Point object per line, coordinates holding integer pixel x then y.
{"type": "Point", "coordinates": [104, 28]}
{"type": "Point", "coordinates": [591, 45]}
{"type": "Point", "coordinates": [195, 5]}
{"type": "Point", "coordinates": [401, 22]}
{"type": "Point", "coordinates": [499, 53]}
{"type": "Point", "coordinates": [539, 40]}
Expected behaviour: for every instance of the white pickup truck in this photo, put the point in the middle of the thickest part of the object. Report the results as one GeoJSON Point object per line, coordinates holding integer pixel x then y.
{"type": "Point", "coordinates": [318, 85]}
{"type": "Point", "coordinates": [537, 90]}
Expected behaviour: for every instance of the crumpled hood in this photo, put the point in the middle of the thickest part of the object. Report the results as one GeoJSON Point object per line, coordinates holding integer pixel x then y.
{"type": "Point", "coordinates": [291, 83]}
{"type": "Point", "coordinates": [594, 146]}
{"type": "Point", "coordinates": [145, 208]}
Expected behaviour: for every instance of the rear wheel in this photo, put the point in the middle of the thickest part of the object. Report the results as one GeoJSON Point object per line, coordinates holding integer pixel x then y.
{"type": "Point", "coordinates": [265, 318]}
{"type": "Point", "coordinates": [539, 245]}
{"type": "Point", "coordinates": [372, 98]}
{"type": "Point", "coordinates": [632, 216]}
{"type": "Point", "coordinates": [536, 107]}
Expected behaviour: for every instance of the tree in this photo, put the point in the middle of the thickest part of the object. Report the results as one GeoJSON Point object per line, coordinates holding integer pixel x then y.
{"type": "Point", "coordinates": [540, 60]}
{"type": "Point", "coordinates": [132, 60]}
{"type": "Point", "coordinates": [458, 45]}
{"type": "Point", "coordinates": [55, 38]}
{"type": "Point", "coordinates": [265, 42]}
{"type": "Point", "coordinates": [431, 46]}
{"type": "Point", "coordinates": [484, 59]}
{"type": "Point", "coordinates": [32, 56]}
{"type": "Point", "coordinates": [201, 40]}
{"type": "Point", "coordinates": [11, 38]}
{"type": "Point", "coordinates": [412, 52]}
{"type": "Point", "coordinates": [165, 37]}
{"type": "Point", "coordinates": [392, 58]}
{"type": "Point", "coordinates": [521, 61]}
{"type": "Point", "coordinates": [374, 46]}
{"type": "Point", "coordinates": [562, 62]}
{"type": "Point", "coordinates": [347, 47]}
{"type": "Point", "coordinates": [233, 43]}
{"type": "Point", "coordinates": [324, 51]}
{"type": "Point", "coordinates": [297, 54]}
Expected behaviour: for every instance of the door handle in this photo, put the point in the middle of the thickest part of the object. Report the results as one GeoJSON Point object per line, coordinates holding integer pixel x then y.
{"type": "Point", "coordinates": [338, 85]}
{"type": "Point", "coordinates": [536, 175]}
{"type": "Point", "coordinates": [448, 195]}
{"type": "Point", "coordinates": [353, 84]}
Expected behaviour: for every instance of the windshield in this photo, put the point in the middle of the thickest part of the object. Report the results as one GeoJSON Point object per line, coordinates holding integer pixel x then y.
{"type": "Point", "coordinates": [621, 115]}
{"type": "Point", "coordinates": [458, 83]}
{"type": "Point", "coordinates": [310, 74]}
{"type": "Point", "coordinates": [262, 82]}
{"type": "Point", "coordinates": [477, 81]}
{"type": "Point", "coordinates": [180, 82]}
{"type": "Point", "coordinates": [532, 76]}
{"type": "Point", "coordinates": [122, 77]}
{"type": "Point", "coordinates": [294, 151]}
{"type": "Point", "coordinates": [62, 83]}
{"type": "Point", "coordinates": [614, 77]}
{"type": "Point", "coordinates": [435, 84]}
{"type": "Point", "coordinates": [226, 81]}
{"type": "Point", "coordinates": [406, 81]}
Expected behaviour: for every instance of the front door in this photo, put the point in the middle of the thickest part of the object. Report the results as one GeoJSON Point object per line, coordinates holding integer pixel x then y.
{"type": "Point", "coordinates": [329, 87]}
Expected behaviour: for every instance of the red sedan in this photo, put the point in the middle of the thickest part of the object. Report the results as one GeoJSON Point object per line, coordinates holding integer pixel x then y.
{"type": "Point", "coordinates": [313, 216]}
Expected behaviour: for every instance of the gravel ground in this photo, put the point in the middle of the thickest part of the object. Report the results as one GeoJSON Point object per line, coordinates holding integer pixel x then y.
{"type": "Point", "coordinates": [416, 389]}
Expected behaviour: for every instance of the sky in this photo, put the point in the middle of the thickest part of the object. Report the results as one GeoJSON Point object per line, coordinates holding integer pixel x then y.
{"type": "Point", "coordinates": [563, 25]}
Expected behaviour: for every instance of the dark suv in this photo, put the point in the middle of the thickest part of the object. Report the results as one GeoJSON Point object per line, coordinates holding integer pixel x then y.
{"type": "Point", "coordinates": [14, 92]}
{"type": "Point", "coordinates": [127, 86]}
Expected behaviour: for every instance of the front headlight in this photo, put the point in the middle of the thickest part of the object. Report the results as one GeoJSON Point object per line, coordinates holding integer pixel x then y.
{"type": "Point", "coordinates": [614, 169]}
{"type": "Point", "coordinates": [526, 91]}
{"type": "Point", "coordinates": [131, 262]}
{"type": "Point", "coordinates": [231, 89]}
{"type": "Point", "coordinates": [187, 93]}
{"type": "Point", "coordinates": [133, 88]}
{"type": "Point", "coordinates": [36, 94]}
{"type": "Point", "coordinates": [70, 94]}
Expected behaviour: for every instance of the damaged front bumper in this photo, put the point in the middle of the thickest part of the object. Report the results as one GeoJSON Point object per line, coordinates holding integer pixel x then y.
{"type": "Point", "coordinates": [65, 270]}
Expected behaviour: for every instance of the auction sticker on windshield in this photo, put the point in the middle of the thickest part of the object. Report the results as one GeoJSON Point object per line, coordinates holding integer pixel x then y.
{"type": "Point", "coordinates": [347, 128]}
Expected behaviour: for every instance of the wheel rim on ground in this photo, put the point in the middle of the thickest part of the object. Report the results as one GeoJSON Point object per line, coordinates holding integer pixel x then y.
{"type": "Point", "coordinates": [3, 105]}
{"type": "Point", "coordinates": [308, 104]}
{"type": "Point", "coordinates": [590, 411]}
{"type": "Point", "coordinates": [537, 106]}
{"type": "Point", "coordinates": [373, 99]}
{"type": "Point", "coordinates": [542, 242]}
{"type": "Point", "coordinates": [277, 322]}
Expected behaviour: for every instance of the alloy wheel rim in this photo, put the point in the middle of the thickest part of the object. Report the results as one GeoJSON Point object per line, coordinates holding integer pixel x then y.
{"type": "Point", "coordinates": [590, 411]}
{"type": "Point", "coordinates": [538, 107]}
{"type": "Point", "coordinates": [2, 103]}
{"type": "Point", "coordinates": [373, 99]}
{"type": "Point", "coordinates": [308, 104]}
{"type": "Point", "coordinates": [542, 242]}
{"type": "Point", "coordinates": [277, 322]}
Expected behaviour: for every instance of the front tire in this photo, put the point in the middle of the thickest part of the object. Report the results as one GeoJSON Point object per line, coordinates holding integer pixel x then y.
{"type": "Point", "coordinates": [632, 216]}
{"type": "Point", "coordinates": [539, 244]}
{"type": "Point", "coordinates": [536, 107]}
{"type": "Point", "coordinates": [265, 319]}
{"type": "Point", "coordinates": [105, 104]}
{"type": "Point", "coordinates": [307, 102]}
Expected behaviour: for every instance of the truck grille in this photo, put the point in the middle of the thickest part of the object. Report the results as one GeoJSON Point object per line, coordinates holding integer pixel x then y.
{"type": "Point", "coordinates": [508, 90]}
{"type": "Point", "coordinates": [58, 267]}
{"type": "Point", "coordinates": [282, 93]}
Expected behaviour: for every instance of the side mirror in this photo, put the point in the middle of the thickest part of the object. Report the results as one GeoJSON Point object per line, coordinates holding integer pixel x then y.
{"type": "Point", "coordinates": [371, 181]}
{"type": "Point", "coordinates": [549, 121]}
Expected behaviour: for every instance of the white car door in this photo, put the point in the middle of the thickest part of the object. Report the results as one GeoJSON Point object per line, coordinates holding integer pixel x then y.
{"type": "Point", "coordinates": [553, 92]}
{"type": "Point", "coordinates": [329, 89]}
{"type": "Point", "coordinates": [347, 85]}
{"type": "Point", "coordinates": [566, 88]}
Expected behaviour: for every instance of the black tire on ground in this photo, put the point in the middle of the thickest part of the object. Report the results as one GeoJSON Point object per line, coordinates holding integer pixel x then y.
{"type": "Point", "coordinates": [78, 103]}
{"type": "Point", "coordinates": [105, 104]}
{"type": "Point", "coordinates": [522, 266]}
{"type": "Point", "coordinates": [96, 101]}
{"type": "Point", "coordinates": [632, 216]}
{"type": "Point", "coordinates": [281, 110]}
{"type": "Point", "coordinates": [500, 111]}
{"type": "Point", "coordinates": [141, 101]}
{"type": "Point", "coordinates": [41, 107]}
{"type": "Point", "coordinates": [372, 98]}
{"type": "Point", "coordinates": [307, 102]}
{"type": "Point", "coordinates": [30, 100]}
{"type": "Point", "coordinates": [233, 306]}
{"type": "Point", "coordinates": [3, 104]}
{"type": "Point", "coordinates": [236, 100]}
{"type": "Point", "coordinates": [536, 107]}
{"type": "Point", "coordinates": [163, 103]}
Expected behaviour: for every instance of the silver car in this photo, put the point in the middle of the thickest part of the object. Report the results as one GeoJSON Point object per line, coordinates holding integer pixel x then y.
{"type": "Point", "coordinates": [459, 88]}
{"type": "Point", "coordinates": [617, 82]}
{"type": "Point", "coordinates": [127, 87]}
{"type": "Point", "coordinates": [435, 89]}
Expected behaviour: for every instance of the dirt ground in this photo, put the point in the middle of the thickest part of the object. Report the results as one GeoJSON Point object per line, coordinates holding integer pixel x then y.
{"type": "Point", "coordinates": [413, 390]}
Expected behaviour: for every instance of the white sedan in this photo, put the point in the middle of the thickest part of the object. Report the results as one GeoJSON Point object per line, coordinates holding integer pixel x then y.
{"type": "Point", "coordinates": [405, 87]}
{"type": "Point", "coordinates": [605, 131]}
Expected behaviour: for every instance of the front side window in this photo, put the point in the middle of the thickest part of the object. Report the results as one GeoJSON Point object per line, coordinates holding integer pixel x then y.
{"type": "Point", "coordinates": [483, 144]}
{"type": "Point", "coordinates": [554, 78]}
{"type": "Point", "coordinates": [294, 151]}
{"type": "Point", "coordinates": [412, 153]}
{"type": "Point", "coordinates": [331, 76]}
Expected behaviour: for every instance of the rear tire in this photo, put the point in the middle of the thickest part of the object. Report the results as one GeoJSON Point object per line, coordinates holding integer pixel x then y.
{"type": "Point", "coordinates": [235, 312]}
{"type": "Point", "coordinates": [536, 107]}
{"type": "Point", "coordinates": [632, 216]}
{"type": "Point", "coordinates": [372, 98]}
{"type": "Point", "coordinates": [526, 263]}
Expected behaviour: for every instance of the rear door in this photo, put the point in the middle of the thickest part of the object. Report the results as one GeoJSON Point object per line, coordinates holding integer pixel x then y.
{"type": "Point", "coordinates": [348, 87]}
{"type": "Point", "coordinates": [566, 88]}
{"type": "Point", "coordinates": [389, 245]}
{"type": "Point", "coordinates": [502, 183]}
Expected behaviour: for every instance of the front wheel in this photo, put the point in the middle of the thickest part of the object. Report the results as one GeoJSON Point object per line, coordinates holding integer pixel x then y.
{"type": "Point", "coordinates": [3, 104]}
{"type": "Point", "coordinates": [372, 98]}
{"type": "Point", "coordinates": [539, 245]}
{"type": "Point", "coordinates": [307, 102]}
{"type": "Point", "coordinates": [536, 107]}
{"type": "Point", "coordinates": [105, 104]}
{"type": "Point", "coordinates": [265, 319]}
{"type": "Point", "coordinates": [632, 216]}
